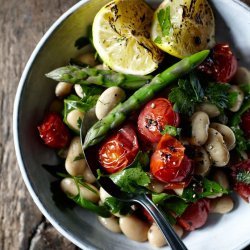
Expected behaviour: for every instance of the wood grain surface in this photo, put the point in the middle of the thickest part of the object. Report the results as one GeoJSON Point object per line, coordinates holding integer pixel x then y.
{"type": "Point", "coordinates": [22, 24]}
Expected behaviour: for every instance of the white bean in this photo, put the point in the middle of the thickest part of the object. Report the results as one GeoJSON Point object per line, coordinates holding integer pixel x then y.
{"type": "Point", "coordinates": [103, 195]}
{"type": "Point", "coordinates": [209, 108]}
{"type": "Point", "coordinates": [216, 148]}
{"type": "Point", "coordinates": [242, 76]}
{"type": "Point", "coordinates": [202, 162]}
{"type": "Point", "coordinates": [111, 223]}
{"type": "Point", "coordinates": [221, 178]}
{"type": "Point", "coordinates": [87, 58]}
{"type": "Point", "coordinates": [227, 133]}
{"type": "Point", "coordinates": [156, 237]}
{"type": "Point", "coordinates": [63, 89]}
{"type": "Point", "coordinates": [134, 228]}
{"type": "Point", "coordinates": [79, 91]}
{"type": "Point", "coordinates": [69, 186]}
{"type": "Point", "coordinates": [74, 119]}
{"type": "Point", "coordinates": [200, 123]}
{"type": "Point", "coordinates": [239, 100]}
{"type": "Point", "coordinates": [108, 100]}
{"type": "Point", "coordinates": [75, 164]}
{"type": "Point", "coordinates": [88, 175]}
{"type": "Point", "coordinates": [221, 205]}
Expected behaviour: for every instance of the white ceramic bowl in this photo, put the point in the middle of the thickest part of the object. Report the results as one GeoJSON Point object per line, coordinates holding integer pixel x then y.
{"type": "Point", "coordinates": [230, 231]}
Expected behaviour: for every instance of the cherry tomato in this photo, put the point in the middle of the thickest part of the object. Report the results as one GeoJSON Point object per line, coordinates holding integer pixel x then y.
{"type": "Point", "coordinates": [119, 150]}
{"type": "Point", "coordinates": [245, 123]}
{"type": "Point", "coordinates": [221, 64]}
{"type": "Point", "coordinates": [154, 117]}
{"type": "Point", "coordinates": [241, 187]}
{"type": "Point", "coordinates": [195, 215]}
{"type": "Point", "coordinates": [168, 163]}
{"type": "Point", "coordinates": [54, 132]}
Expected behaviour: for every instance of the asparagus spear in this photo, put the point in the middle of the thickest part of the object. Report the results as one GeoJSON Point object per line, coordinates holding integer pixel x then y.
{"type": "Point", "coordinates": [105, 78]}
{"type": "Point", "coordinates": [118, 115]}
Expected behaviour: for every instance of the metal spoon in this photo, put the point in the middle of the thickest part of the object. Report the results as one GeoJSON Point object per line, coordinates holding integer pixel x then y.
{"type": "Point", "coordinates": [109, 186]}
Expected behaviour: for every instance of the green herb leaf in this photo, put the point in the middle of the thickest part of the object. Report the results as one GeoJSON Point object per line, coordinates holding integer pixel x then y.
{"type": "Point", "coordinates": [202, 189]}
{"type": "Point", "coordinates": [185, 96]}
{"type": "Point", "coordinates": [79, 157]}
{"type": "Point", "coordinates": [100, 210]}
{"type": "Point", "coordinates": [232, 99]}
{"type": "Point", "coordinates": [197, 88]}
{"type": "Point", "coordinates": [176, 205]}
{"type": "Point", "coordinates": [116, 206]}
{"type": "Point", "coordinates": [131, 180]}
{"type": "Point", "coordinates": [164, 20]}
{"type": "Point", "coordinates": [243, 176]}
{"type": "Point", "coordinates": [171, 130]}
{"type": "Point", "coordinates": [245, 88]}
{"type": "Point", "coordinates": [241, 142]}
{"type": "Point", "coordinates": [161, 197]}
{"type": "Point", "coordinates": [217, 94]}
{"type": "Point", "coordinates": [158, 40]}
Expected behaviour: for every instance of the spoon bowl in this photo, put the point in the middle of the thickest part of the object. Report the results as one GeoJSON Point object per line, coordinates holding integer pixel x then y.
{"type": "Point", "coordinates": [91, 157]}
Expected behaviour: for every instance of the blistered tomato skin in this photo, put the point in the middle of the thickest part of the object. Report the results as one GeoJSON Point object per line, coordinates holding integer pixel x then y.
{"type": "Point", "coordinates": [168, 163]}
{"type": "Point", "coordinates": [245, 123]}
{"type": "Point", "coordinates": [195, 215]}
{"type": "Point", "coordinates": [119, 150]}
{"type": "Point", "coordinates": [221, 64]}
{"type": "Point", "coordinates": [54, 132]}
{"type": "Point", "coordinates": [154, 117]}
{"type": "Point", "coordinates": [241, 187]}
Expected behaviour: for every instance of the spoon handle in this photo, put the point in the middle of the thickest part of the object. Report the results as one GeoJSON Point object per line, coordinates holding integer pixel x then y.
{"type": "Point", "coordinates": [172, 238]}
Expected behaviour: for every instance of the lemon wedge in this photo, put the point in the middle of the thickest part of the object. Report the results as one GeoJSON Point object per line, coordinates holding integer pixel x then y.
{"type": "Point", "coordinates": [121, 36]}
{"type": "Point", "coordinates": [183, 27]}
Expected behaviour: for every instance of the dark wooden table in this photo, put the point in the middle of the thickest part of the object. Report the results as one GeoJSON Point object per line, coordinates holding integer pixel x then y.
{"type": "Point", "coordinates": [22, 24]}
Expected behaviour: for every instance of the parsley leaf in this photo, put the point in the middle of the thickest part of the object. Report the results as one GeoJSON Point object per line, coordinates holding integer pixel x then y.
{"type": "Point", "coordinates": [171, 130]}
{"type": "Point", "coordinates": [241, 141]}
{"type": "Point", "coordinates": [217, 94]}
{"type": "Point", "coordinates": [164, 20]}
{"type": "Point", "coordinates": [100, 210]}
{"type": "Point", "coordinates": [186, 95]}
{"type": "Point", "coordinates": [202, 189]}
{"type": "Point", "coordinates": [131, 180]}
{"type": "Point", "coordinates": [243, 176]}
{"type": "Point", "coordinates": [117, 206]}
{"type": "Point", "coordinates": [81, 201]}
{"type": "Point", "coordinates": [173, 202]}
{"type": "Point", "coordinates": [176, 205]}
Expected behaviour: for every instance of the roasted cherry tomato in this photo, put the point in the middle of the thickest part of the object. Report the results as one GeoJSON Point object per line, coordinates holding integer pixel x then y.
{"type": "Point", "coordinates": [240, 174]}
{"type": "Point", "coordinates": [221, 64]}
{"type": "Point", "coordinates": [119, 150]}
{"type": "Point", "coordinates": [154, 117]}
{"type": "Point", "coordinates": [245, 123]}
{"type": "Point", "coordinates": [54, 132]}
{"type": "Point", "coordinates": [195, 215]}
{"type": "Point", "coordinates": [168, 163]}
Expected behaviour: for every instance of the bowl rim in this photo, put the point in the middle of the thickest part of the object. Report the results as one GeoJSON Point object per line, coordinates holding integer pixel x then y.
{"type": "Point", "coordinates": [18, 97]}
